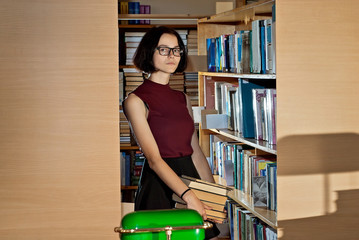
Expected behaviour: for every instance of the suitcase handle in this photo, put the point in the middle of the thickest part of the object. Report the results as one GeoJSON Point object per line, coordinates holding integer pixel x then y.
{"type": "Point", "coordinates": [168, 229]}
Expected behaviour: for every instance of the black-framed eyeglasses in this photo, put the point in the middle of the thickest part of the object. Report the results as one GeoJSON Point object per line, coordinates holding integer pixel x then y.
{"type": "Point", "coordinates": [166, 51]}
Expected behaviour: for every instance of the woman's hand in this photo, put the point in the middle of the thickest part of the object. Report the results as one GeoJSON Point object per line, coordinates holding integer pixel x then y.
{"type": "Point", "coordinates": [193, 202]}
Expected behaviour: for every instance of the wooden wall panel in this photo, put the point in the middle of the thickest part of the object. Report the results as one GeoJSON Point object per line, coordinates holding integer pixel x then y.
{"type": "Point", "coordinates": [59, 135]}
{"type": "Point", "coordinates": [318, 131]}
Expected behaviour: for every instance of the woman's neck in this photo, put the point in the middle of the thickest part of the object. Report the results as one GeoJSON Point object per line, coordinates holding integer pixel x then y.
{"type": "Point", "coordinates": [160, 77]}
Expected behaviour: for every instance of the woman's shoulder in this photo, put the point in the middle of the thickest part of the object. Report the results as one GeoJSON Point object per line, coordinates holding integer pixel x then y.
{"type": "Point", "coordinates": [131, 100]}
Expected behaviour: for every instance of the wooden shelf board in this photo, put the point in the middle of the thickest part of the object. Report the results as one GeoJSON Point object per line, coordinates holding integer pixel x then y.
{"type": "Point", "coordinates": [262, 145]}
{"type": "Point", "coordinates": [123, 187]}
{"type": "Point", "coordinates": [122, 148]}
{"type": "Point", "coordinates": [159, 16]}
{"type": "Point", "coordinates": [238, 75]}
{"type": "Point", "coordinates": [267, 216]}
{"type": "Point", "coordinates": [145, 26]}
{"type": "Point", "coordinates": [247, 13]}
{"type": "Point", "coordinates": [127, 66]}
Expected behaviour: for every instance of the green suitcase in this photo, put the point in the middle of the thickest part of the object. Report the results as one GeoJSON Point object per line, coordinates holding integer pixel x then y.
{"type": "Point", "coordinates": [175, 224]}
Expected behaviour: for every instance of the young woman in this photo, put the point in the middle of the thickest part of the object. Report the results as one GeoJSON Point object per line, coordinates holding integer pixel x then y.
{"type": "Point", "coordinates": [162, 122]}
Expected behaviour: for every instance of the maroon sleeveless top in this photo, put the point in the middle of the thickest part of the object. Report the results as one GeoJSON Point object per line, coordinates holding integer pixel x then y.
{"type": "Point", "coordinates": [168, 117]}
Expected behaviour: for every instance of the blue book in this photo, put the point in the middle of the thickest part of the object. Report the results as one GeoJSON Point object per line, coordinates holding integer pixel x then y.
{"type": "Point", "coordinates": [136, 11]}
{"type": "Point", "coordinates": [131, 10]}
{"type": "Point", "coordinates": [246, 104]}
{"type": "Point", "coordinates": [127, 170]}
{"type": "Point", "coordinates": [218, 54]}
{"type": "Point", "coordinates": [211, 54]}
{"type": "Point", "coordinates": [226, 53]}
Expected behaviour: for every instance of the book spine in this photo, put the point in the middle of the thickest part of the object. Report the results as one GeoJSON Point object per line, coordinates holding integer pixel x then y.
{"type": "Point", "coordinates": [147, 11]}
{"type": "Point", "coordinates": [142, 11]}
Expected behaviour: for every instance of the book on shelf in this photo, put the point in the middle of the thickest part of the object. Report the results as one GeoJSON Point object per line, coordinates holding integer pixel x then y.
{"type": "Point", "coordinates": [145, 9]}
{"type": "Point", "coordinates": [268, 46]}
{"type": "Point", "coordinates": [246, 166]}
{"type": "Point", "coordinates": [271, 105]}
{"type": "Point", "coordinates": [134, 8]}
{"type": "Point", "coordinates": [256, 47]}
{"type": "Point", "coordinates": [209, 92]}
{"type": "Point", "coordinates": [260, 111]}
{"type": "Point", "coordinates": [245, 51]}
{"type": "Point", "coordinates": [123, 10]}
{"type": "Point", "coordinates": [260, 192]}
{"type": "Point", "coordinates": [246, 106]}
{"type": "Point", "coordinates": [273, 28]}
{"type": "Point", "coordinates": [272, 186]}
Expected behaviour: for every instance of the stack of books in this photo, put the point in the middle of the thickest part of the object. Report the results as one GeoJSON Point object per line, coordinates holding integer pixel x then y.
{"type": "Point", "coordinates": [211, 194]}
{"type": "Point", "coordinates": [183, 34]}
{"type": "Point", "coordinates": [120, 84]}
{"type": "Point", "coordinates": [246, 51]}
{"type": "Point", "coordinates": [191, 86]}
{"type": "Point", "coordinates": [133, 78]}
{"type": "Point", "coordinates": [192, 46]}
{"type": "Point", "coordinates": [125, 132]}
{"type": "Point", "coordinates": [177, 82]}
{"type": "Point", "coordinates": [132, 40]}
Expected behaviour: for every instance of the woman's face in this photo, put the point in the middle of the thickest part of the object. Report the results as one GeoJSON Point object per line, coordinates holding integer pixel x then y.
{"type": "Point", "coordinates": [168, 61]}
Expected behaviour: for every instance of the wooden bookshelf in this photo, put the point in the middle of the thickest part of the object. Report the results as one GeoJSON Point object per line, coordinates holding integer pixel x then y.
{"type": "Point", "coordinates": [317, 186]}
{"type": "Point", "coordinates": [214, 26]}
{"type": "Point", "coordinates": [247, 13]}
{"type": "Point", "coordinates": [236, 136]}
{"type": "Point", "coordinates": [267, 216]}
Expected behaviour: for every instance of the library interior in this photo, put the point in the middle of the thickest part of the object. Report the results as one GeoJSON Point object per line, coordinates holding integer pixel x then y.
{"type": "Point", "coordinates": [271, 87]}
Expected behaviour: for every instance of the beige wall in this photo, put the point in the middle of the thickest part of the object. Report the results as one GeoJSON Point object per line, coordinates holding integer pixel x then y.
{"type": "Point", "coordinates": [318, 131]}
{"type": "Point", "coordinates": [59, 136]}
{"type": "Point", "coordinates": [197, 7]}
{"type": "Point", "coordinates": [201, 7]}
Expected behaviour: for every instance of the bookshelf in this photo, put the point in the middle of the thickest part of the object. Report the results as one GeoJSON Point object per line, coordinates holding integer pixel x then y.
{"type": "Point", "coordinates": [214, 26]}
{"type": "Point", "coordinates": [317, 186]}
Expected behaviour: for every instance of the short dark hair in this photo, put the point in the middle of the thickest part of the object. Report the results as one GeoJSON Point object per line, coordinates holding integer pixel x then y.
{"type": "Point", "coordinates": [143, 58]}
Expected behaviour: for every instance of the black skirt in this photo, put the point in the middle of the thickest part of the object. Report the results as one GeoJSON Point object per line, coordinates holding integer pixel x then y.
{"type": "Point", "coordinates": [154, 194]}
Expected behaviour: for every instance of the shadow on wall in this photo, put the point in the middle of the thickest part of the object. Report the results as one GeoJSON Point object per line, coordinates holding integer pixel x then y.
{"type": "Point", "coordinates": [335, 158]}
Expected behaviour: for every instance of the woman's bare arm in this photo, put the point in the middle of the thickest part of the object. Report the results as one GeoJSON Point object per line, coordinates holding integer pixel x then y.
{"type": "Point", "coordinates": [198, 157]}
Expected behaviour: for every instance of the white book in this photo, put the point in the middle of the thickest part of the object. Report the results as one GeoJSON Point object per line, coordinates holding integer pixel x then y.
{"type": "Point", "coordinates": [256, 49]}
{"type": "Point", "coordinates": [134, 34]}
{"type": "Point", "coordinates": [268, 45]}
